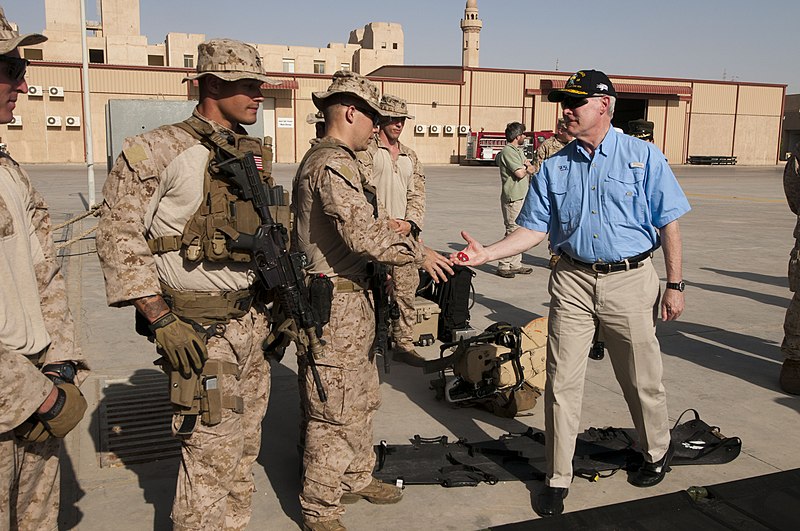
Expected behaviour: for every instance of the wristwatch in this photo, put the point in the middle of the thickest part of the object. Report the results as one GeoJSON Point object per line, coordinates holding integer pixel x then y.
{"type": "Point", "coordinates": [680, 286]}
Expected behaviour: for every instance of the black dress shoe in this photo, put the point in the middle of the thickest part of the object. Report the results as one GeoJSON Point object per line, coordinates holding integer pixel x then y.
{"type": "Point", "coordinates": [550, 501]}
{"type": "Point", "coordinates": [652, 473]}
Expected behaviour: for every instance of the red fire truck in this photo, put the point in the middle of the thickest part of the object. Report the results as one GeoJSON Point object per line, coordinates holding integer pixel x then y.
{"type": "Point", "coordinates": [483, 146]}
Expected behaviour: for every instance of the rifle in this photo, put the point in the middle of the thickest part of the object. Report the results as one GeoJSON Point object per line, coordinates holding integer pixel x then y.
{"type": "Point", "coordinates": [277, 268]}
{"type": "Point", "coordinates": [386, 309]}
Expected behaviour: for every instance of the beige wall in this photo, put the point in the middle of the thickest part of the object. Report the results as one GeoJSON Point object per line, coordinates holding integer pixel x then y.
{"type": "Point", "coordinates": [487, 100]}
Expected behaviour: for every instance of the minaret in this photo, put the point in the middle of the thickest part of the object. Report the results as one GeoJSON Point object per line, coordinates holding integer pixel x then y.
{"type": "Point", "coordinates": [471, 27]}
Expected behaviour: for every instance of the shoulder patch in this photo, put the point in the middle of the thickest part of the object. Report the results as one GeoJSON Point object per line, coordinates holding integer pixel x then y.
{"type": "Point", "coordinates": [135, 154]}
{"type": "Point", "coordinates": [345, 168]}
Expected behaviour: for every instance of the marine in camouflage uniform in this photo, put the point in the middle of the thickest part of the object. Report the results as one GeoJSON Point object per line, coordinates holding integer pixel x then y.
{"type": "Point", "coordinates": [336, 227]}
{"type": "Point", "coordinates": [152, 192]}
{"type": "Point", "coordinates": [790, 371]}
{"type": "Point", "coordinates": [37, 337]}
{"type": "Point", "coordinates": [395, 172]}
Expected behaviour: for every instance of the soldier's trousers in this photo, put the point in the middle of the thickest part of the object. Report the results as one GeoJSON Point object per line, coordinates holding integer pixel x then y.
{"type": "Point", "coordinates": [625, 304]}
{"type": "Point", "coordinates": [215, 480]}
{"type": "Point", "coordinates": [338, 455]}
{"type": "Point", "coordinates": [791, 324]}
{"type": "Point", "coordinates": [406, 281]}
{"type": "Point", "coordinates": [29, 484]}
{"type": "Point", "coordinates": [511, 210]}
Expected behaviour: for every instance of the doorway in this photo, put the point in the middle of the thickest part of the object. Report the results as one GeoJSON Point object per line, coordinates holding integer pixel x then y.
{"type": "Point", "coordinates": [628, 109]}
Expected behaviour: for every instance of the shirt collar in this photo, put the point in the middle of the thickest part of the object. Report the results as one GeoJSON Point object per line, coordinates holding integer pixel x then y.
{"type": "Point", "coordinates": [606, 146]}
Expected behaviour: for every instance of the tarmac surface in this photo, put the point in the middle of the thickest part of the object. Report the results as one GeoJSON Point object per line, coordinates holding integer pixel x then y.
{"type": "Point", "coordinates": [721, 358]}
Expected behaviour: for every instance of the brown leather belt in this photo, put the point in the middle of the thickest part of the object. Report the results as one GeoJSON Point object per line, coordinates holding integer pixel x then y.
{"type": "Point", "coordinates": [633, 262]}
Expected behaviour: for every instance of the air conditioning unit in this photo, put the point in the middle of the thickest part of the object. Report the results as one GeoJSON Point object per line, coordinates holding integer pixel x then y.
{"type": "Point", "coordinates": [16, 121]}
{"type": "Point", "coordinates": [35, 91]}
{"type": "Point", "coordinates": [463, 130]}
{"type": "Point", "coordinates": [448, 129]}
{"type": "Point", "coordinates": [435, 129]}
{"type": "Point", "coordinates": [419, 129]}
{"type": "Point", "coordinates": [53, 121]}
{"type": "Point", "coordinates": [56, 92]}
{"type": "Point", "coordinates": [73, 121]}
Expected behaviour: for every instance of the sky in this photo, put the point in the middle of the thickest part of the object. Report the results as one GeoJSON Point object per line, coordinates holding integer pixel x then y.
{"type": "Point", "coordinates": [742, 40]}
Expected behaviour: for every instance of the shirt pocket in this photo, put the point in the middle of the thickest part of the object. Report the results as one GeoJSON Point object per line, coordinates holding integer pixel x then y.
{"type": "Point", "coordinates": [6, 220]}
{"type": "Point", "coordinates": [623, 198]}
{"type": "Point", "coordinates": [566, 201]}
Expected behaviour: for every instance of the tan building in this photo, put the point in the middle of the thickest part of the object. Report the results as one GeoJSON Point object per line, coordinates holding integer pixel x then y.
{"type": "Point", "coordinates": [116, 40]}
{"type": "Point", "coordinates": [692, 117]}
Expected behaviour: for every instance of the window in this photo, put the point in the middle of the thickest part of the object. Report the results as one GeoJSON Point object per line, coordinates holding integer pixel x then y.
{"type": "Point", "coordinates": [345, 67]}
{"type": "Point", "coordinates": [97, 56]}
{"type": "Point", "coordinates": [383, 45]}
{"type": "Point", "coordinates": [154, 60]}
{"type": "Point", "coordinates": [32, 54]}
{"type": "Point", "coordinates": [394, 46]}
{"type": "Point", "coordinates": [188, 61]}
{"type": "Point", "coordinates": [319, 67]}
{"type": "Point", "coordinates": [288, 65]}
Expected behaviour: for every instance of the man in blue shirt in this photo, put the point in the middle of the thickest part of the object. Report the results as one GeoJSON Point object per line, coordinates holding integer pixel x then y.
{"type": "Point", "coordinates": [608, 201]}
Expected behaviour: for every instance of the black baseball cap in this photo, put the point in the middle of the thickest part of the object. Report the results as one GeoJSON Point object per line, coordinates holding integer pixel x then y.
{"type": "Point", "coordinates": [582, 84]}
{"type": "Point", "coordinates": [641, 128]}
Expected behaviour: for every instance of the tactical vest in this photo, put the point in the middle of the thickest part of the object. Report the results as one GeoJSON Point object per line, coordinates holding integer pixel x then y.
{"type": "Point", "coordinates": [222, 214]}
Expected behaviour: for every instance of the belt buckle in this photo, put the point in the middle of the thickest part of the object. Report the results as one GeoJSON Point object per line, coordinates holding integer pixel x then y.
{"type": "Point", "coordinates": [597, 265]}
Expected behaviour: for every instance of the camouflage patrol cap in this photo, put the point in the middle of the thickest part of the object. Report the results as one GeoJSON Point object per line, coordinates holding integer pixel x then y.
{"type": "Point", "coordinates": [10, 39]}
{"type": "Point", "coordinates": [641, 128]}
{"type": "Point", "coordinates": [229, 60]}
{"type": "Point", "coordinates": [394, 107]}
{"type": "Point", "coordinates": [346, 82]}
{"type": "Point", "coordinates": [315, 118]}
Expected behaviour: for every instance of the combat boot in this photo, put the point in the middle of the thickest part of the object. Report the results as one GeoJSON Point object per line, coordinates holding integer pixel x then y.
{"type": "Point", "coordinates": [327, 525]}
{"type": "Point", "coordinates": [408, 355]}
{"type": "Point", "coordinates": [790, 376]}
{"type": "Point", "coordinates": [376, 492]}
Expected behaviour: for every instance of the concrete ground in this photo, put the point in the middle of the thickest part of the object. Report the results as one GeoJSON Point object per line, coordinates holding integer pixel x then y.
{"type": "Point", "coordinates": [721, 358]}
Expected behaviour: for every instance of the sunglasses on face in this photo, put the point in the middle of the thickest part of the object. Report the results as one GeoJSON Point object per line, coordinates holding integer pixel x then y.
{"type": "Point", "coordinates": [15, 67]}
{"type": "Point", "coordinates": [368, 112]}
{"type": "Point", "coordinates": [574, 103]}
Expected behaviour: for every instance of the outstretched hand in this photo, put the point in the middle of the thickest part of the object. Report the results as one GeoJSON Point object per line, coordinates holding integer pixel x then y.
{"type": "Point", "coordinates": [473, 255]}
{"type": "Point", "coordinates": [437, 265]}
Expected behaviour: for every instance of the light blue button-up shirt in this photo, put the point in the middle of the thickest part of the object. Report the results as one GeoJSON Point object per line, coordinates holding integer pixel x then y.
{"type": "Point", "coordinates": [604, 208]}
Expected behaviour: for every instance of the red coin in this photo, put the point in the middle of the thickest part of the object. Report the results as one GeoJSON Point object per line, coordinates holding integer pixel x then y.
{"type": "Point", "coordinates": [462, 256]}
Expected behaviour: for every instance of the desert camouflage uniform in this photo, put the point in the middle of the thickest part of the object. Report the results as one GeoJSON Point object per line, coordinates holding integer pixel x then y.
{"type": "Point", "coordinates": [36, 328]}
{"type": "Point", "coordinates": [153, 189]}
{"type": "Point", "coordinates": [546, 149]}
{"type": "Point", "coordinates": [791, 325]}
{"type": "Point", "coordinates": [335, 227]}
{"type": "Point", "coordinates": [400, 187]}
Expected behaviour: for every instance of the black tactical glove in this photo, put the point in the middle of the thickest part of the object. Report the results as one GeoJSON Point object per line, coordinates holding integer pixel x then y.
{"type": "Point", "coordinates": [182, 345]}
{"type": "Point", "coordinates": [59, 420]}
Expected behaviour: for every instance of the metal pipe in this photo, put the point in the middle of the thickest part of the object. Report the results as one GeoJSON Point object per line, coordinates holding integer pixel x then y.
{"type": "Point", "coordinates": [87, 113]}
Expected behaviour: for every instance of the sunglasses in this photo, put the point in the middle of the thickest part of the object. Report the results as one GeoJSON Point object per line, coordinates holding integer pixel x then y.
{"type": "Point", "coordinates": [574, 103]}
{"type": "Point", "coordinates": [15, 67]}
{"type": "Point", "coordinates": [368, 112]}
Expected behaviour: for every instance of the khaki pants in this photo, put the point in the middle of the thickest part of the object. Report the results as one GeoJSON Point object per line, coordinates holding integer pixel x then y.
{"type": "Point", "coordinates": [338, 455]}
{"type": "Point", "coordinates": [511, 210]}
{"type": "Point", "coordinates": [406, 280]}
{"type": "Point", "coordinates": [215, 480]}
{"type": "Point", "coordinates": [29, 484]}
{"type": "Point", "coordinates": [625, 304]}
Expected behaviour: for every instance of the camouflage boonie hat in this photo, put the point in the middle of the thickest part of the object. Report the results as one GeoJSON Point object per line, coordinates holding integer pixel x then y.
{"type": "Point", "coordinates": [229, 60]}
{"type": "Point", "coordinates": [315, 118]}
{"type": "Point", "coordinates": [394, 107]}
{"type": "Point", "coordinates": [346, 82]}
{"type": "Point", "coordinates": [10, 39]}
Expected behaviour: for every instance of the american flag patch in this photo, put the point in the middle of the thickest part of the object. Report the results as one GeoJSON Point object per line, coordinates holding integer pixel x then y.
{"type": "Point", "coordinates": [259, 164]}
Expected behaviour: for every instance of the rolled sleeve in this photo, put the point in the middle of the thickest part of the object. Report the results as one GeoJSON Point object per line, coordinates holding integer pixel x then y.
{"type": "Point", "coordinates": [665, 198]}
